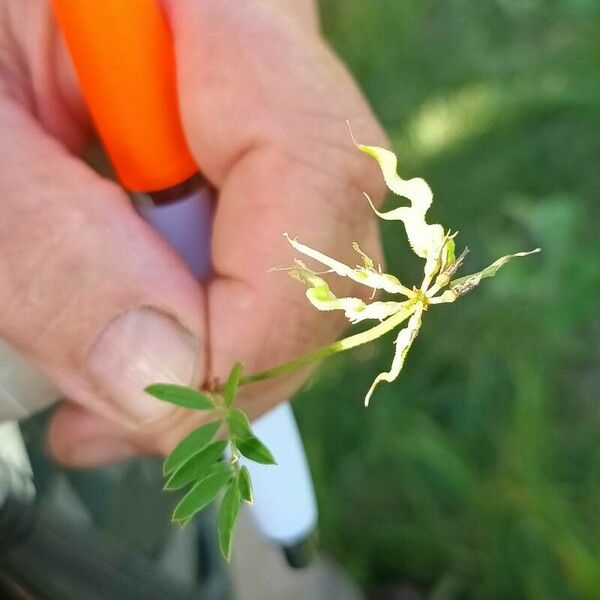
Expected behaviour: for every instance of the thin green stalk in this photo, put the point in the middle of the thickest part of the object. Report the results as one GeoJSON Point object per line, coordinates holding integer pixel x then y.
{"type": "Point", "coordinates": [340, 346]}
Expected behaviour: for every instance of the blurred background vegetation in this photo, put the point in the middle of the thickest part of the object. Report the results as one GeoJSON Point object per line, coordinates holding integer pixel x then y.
{"type": "Point", "coordinates": [477, 474]}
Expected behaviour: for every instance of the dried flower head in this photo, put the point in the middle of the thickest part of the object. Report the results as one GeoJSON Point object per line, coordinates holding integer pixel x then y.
{"type": "Point", "coordinates": [430, 242]}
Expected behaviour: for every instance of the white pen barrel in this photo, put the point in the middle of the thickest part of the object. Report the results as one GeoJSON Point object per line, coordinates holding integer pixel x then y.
{"type": "Point", "coordinates": [284, 501]}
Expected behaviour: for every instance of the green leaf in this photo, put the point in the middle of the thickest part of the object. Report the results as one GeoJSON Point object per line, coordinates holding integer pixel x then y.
{"type": "Point", "coordinates": [197, 466]}
{"type": "Point", "coordinates": [245, 485]}
{"type": "Point", "coordinates": [190, 445]}
{"type": "Point", "coordinates": [202, 494]}
{"type": "Point", "coordinates": [255, 450]}
{"type": "Point", "coordinates": [239, 425]}
{"type": "Point", "coordinates": [228, 514]}
{"type": "Point", "coordinates": [181, 396]}
{"type": "Point", "coordinates": [468, 282]}
{"type": "Point", "coordinates": [245, 440]}
{"type": "Point", "coordinates": [232, 384]}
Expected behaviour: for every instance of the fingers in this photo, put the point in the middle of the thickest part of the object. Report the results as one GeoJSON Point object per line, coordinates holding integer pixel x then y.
{"type": "Point", "coordinates": [264, 105]}
{"type": "Point", "coordinates": [88, 292]}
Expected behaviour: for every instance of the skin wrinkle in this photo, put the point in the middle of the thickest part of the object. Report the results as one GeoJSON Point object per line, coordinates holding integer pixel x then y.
{"type": "Point", "coordinates": [47, 85]}
{"type": "Point", "coordinates": [42, 49]}
{"type": "Point", "coordinates": [335, 156]}
{"type": "Point", "coordinates": [53, 111]}
{"type": "Point", "coordinates": [66, 90]}
{"type": "Point", "coordinates": [356, 218]}
{"type": "Point", "coordinates": [41, 79]}
{"type": "Point", "coordinates": [25, 276]}
{"type": "Point", "coordinates": [54, 255]}
{"type": "Point", "coordinates": [19, 56]}
{"type": "Point", "coordinates": [55, 321]}
{"type": "Point", "coordinates": [14, 70]}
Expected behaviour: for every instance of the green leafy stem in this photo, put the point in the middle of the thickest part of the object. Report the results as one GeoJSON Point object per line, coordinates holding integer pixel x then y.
{"type": "Point", "coordinates": [197, 461]}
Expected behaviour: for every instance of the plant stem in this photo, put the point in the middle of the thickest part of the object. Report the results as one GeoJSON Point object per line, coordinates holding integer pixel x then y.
{"type": "Point", "coordinates": [340, 346]}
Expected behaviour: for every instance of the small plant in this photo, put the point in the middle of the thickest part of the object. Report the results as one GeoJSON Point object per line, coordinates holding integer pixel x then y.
{"type": "Point", "coordinates": [197, 462]}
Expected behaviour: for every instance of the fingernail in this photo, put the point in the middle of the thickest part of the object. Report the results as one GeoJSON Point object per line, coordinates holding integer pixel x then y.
{"type": "Point", "coordinates": [140, 347]}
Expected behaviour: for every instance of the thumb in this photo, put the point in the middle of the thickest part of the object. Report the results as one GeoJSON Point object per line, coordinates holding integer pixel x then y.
{"type": "Point", "coordinates": [88, 291]}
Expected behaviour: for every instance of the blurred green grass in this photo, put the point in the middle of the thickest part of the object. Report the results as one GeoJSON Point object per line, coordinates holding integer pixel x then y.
{"type": "Point", "coordinates": [477, 474]}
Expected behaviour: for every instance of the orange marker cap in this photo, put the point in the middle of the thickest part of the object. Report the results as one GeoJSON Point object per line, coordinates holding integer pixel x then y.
{"type": "Point", "coordinates": [123, 55]}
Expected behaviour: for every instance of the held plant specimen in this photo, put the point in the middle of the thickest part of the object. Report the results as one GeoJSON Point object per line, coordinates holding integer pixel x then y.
{"type": "Point", "coordinates": [197, 461]}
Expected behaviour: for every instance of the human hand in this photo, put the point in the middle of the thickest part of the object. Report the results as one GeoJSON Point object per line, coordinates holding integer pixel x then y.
{"type": "Point", "coordinates": [95, 298]}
